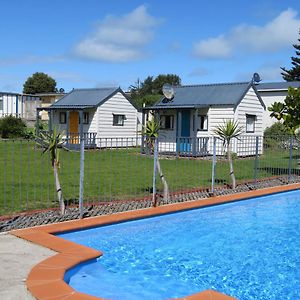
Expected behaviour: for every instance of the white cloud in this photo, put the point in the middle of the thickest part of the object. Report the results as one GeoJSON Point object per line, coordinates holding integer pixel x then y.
{"type": "Point", "coordinates": [199, 72]}
{"type": "Point", "coordinates": [267, 72]}
{"type": "Point", "coordinates": [217, 47]}
{"type": "Point", "coordinates": [119, 39]}
{"type": "Point", "coordinates": [278, 34]}
{"type": "Point", "coordinates": [30, 59]}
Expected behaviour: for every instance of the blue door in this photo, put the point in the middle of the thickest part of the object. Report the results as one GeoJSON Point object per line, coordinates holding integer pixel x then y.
{"type": "Point", "coordinates": [185, 145]}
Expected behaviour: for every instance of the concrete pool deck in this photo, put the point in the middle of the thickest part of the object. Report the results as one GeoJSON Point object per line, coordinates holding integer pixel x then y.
{"type": "Point", "coordinates": [18, 257]}
{"type": "Point", "coordinates": [46, 280]}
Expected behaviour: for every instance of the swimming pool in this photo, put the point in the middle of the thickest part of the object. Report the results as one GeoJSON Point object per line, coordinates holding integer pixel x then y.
{"type": "Point", "coordinates": [248, 250]}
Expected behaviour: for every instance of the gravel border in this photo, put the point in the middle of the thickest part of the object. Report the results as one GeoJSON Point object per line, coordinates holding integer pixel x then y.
{"type": "Point", "coordinates": [53, 216]}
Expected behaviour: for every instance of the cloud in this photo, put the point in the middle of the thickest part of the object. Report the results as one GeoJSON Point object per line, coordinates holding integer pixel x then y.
{"type": "Point", "coordinates": [119, 39]}
{"type": "Point", "coordinates": [267, 72]}
{"type": "Point", "coordinates": [199, 72]}
{"type": "Point", "coordinates": [30, 59]}
{"type": "Point", "coordinates": [278, 34]}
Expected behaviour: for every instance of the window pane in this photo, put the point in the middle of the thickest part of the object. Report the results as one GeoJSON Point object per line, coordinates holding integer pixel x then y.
{"type": "Point", "coordinates": [166, 121]}
{"type": "Point", "coordinates": [62, 118]}
{"type": "Point", "coordinates": [203, 122]}
{"type": "Point", "coordinates": [250, 123]}
{"type": "Point", "coordinates": [118, 120]}
{"type": "Point", "coordinates": [86, 118]}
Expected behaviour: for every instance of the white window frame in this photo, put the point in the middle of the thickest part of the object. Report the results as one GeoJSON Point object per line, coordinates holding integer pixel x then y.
{"type": "Point", "coordinates": [250, 123]}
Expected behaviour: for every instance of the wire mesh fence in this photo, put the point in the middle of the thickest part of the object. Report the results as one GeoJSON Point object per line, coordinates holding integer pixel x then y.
{"type": "Point", "coordinates": [122, 168]}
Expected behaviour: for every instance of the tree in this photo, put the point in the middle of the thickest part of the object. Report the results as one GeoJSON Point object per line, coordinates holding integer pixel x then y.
{"type": "Point", "coordinates": [150, 130]}
{"type": "Point", "coordinates": [51, 142]}
{"type": "Point", "coordinates": [12, 127]}
{"type": "Point", "coordinates": [149, 91]}
{"type": "Point", "coordinates": [39, 83]}
{"type": "Point", "coordinates": [289, 111]}
{"type": "Point", "coordinates": [226, 132]}
{"type": "Point", "coordinates": [294, 73]}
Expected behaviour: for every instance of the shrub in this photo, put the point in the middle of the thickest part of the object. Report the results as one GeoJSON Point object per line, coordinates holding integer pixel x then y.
{"type": "Point", "coordinates": [12, 127]}
{"type": "Point", "coordinates": [277, 130]}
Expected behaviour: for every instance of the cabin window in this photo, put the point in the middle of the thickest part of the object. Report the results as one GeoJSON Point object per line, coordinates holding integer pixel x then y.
{"type": "Point", "coordinates": [118, 120]}
{"type": "Point", "coordinates": [203, 126]}
{"type": "Point", "coordinates": [62, 118]}
{"type": "Point", "coordinates": [86, 118]}
{"type": "Point", "coordinates": [167, 122]}
{"type": "Point", "coordinates": [250, 123]}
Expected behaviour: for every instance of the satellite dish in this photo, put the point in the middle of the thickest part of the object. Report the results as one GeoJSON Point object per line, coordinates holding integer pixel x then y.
{"type": "Point", "coordinates": [61, 90]}
{"type": "Point", "coordinates": [256, 78]}
{"type": "Point", "coordinates": [168, 91]}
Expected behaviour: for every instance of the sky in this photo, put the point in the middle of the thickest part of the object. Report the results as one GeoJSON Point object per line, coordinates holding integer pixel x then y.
{"type": "Point", "coordinates": [97, 43]}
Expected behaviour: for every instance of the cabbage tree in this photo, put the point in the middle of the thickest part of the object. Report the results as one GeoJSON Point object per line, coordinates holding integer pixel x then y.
{"type": "Point", "coordinates": [51, 142]}
{"type": "Point", "coordinates": [150, 130]}
{"type": "Point", "coordinates": [227, 132]}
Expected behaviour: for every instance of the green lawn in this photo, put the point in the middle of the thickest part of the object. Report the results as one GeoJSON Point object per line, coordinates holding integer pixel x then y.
{"type": "Point", "coordinates": [27, 182]}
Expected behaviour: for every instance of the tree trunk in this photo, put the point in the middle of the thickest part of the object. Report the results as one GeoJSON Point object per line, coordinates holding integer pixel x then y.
{"type": "Point", "coordinates": [58, 189]}
{"type": "Point", "coordinates": [231, 166]}
{"type": "Point", "coordinates": [162, 177]}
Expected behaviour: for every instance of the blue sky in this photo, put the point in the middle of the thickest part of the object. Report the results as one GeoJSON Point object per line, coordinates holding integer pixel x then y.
{"type": "Point", "coordinates": [96, 43]}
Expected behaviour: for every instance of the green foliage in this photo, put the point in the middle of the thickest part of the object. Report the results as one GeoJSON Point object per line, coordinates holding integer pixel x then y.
{"type": "Point", "coordinates": [149, 91]}
{"type": "Point", "coordinates": [228, 130]}
{"type": "Point", "coordinates": [51, 142]}
{"type": "Point", "coordinates": [294, 73]}
{"type": "Point", "coordinates": [151, 129]}
{"type": "Point", "coordinates": [289, 111]}
{"type": "Point", "coordinates": [12, 127]}
{"type": "Point", "coordinates": [39, 83]}
{"type": "Point", "coordinates": [277, 129]}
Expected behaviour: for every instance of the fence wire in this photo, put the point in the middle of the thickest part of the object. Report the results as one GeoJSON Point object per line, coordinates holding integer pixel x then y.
{"type": "Point", "coordinates": [118, 169]}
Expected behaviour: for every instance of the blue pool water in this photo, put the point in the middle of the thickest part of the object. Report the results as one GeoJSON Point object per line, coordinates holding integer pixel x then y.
{"type": "Point", "coordinates": [248, 249]}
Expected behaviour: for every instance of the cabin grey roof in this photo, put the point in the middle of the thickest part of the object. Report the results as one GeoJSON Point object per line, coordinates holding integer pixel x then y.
{"type": "Point", "coordinates": [268, 86]}
{"type": "Point", "coordinates": [85, 98]}
{"type": "Point", "coordinates": [197, 96]}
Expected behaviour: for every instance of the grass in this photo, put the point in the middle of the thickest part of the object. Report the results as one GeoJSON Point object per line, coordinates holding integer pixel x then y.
{"type": "Point", "coordinates": [27, 181]}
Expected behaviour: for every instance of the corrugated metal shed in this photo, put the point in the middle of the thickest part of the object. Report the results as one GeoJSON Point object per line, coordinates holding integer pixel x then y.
{"type": "Point", "coordinates": [84, 98]}
{"type": "Point", "coordinates": [276, 86]}
{"type": "Point", "coordinates": [197, 96]}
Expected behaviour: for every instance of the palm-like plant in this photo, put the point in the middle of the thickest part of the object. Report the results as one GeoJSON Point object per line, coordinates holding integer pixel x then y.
{"type": "Point", "coordinates": [150, 130]}
{"type": "Point", "coordinates": [51, 142]}
{"type": "Point", "coordinates": [226, 132]}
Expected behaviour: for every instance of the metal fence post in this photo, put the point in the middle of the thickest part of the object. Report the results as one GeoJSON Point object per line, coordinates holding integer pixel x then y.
{"type": "Point", "coordinates": [213, 165]}
{"type": "Point", "coordinates": [256, 158]}
{"type": "Point", "coordinates": [81, 178]}
{"type": "Point", "coordinates": [155, 158]}
{"type": "Point", "coordinates": [290, 159]}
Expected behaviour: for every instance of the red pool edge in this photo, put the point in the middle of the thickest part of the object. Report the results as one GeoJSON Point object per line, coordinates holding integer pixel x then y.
{"type": "Point", "coordinates": [46, 279]}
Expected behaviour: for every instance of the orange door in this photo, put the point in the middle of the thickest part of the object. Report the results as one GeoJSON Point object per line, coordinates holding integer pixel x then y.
{"type": "Point", "coordinates": [73, 123]}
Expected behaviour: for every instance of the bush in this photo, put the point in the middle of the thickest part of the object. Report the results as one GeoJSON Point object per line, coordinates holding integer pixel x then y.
{"type": "Point", "coordinates": [277, 130]}
{"type": "Point", "coordinates": [12, 127]}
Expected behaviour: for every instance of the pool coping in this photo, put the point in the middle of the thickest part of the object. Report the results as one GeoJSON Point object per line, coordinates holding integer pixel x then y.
{"type": "Point", "coordinates": [46, 279]}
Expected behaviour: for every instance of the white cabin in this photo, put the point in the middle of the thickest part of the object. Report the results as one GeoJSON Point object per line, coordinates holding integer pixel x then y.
{"type": "Point", "coordinates": [102, 115]}
{"type": "Point", "coordinates": [273, 92]}
{"type": "Point", "coordinates": [188, 119]}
